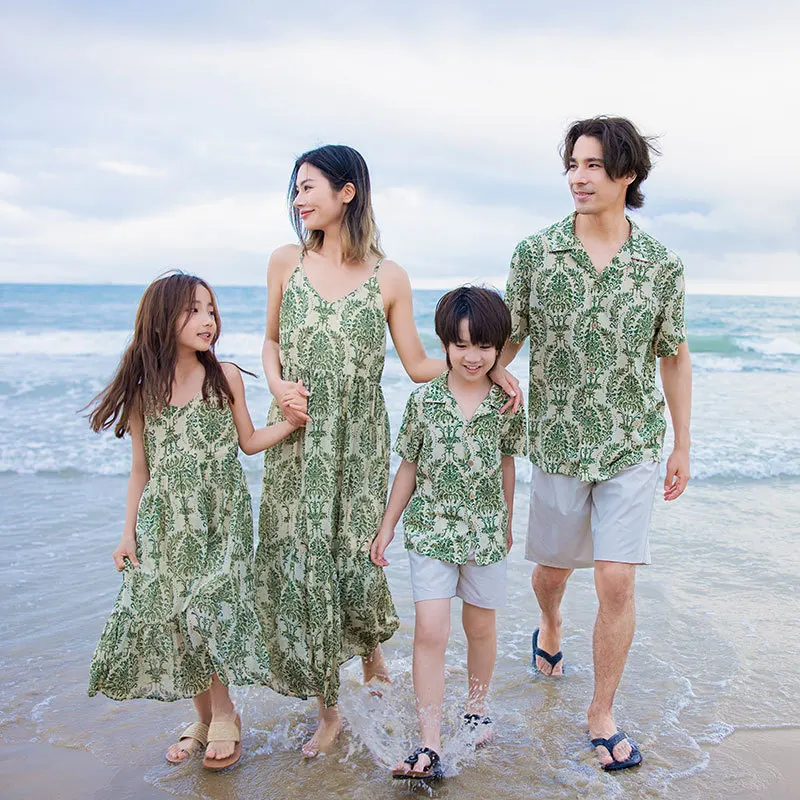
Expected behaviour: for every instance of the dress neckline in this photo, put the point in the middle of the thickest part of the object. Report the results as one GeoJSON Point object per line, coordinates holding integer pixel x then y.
{"type": "Point", "coordinates": [360, 286]}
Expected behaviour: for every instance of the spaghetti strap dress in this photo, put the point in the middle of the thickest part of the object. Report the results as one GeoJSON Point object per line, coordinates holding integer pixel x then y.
{"type": "Point", "coordinates": [321, 600]}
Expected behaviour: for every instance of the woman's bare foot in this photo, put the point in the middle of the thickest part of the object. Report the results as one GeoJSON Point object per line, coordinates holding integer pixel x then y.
{"type": "Point", "coordinates": [328, 729]}
{"type": "Point", "coordinates": [375, 672]}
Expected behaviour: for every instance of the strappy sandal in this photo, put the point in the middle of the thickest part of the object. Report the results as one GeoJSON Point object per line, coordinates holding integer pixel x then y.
{"type": "Point", "coordinates": [198, 732]}
{"type": "Point", "coordinates": [633, 760]}
{"type": "Point", "coordinates": [225, 732]}
{"type": "Point", "coordinates": [479, 728]}
{"type": "Point", "coordinates": [434, 770]}
{"type": "Point", "coordinates": [551, 660]}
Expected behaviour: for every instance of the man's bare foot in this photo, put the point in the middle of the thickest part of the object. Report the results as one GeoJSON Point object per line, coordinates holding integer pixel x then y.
{"type": "Point", "coordinates": [603, 727]}
{"type": "Point", "coordinates": [478, 727]}
{"type": "Point", "coordinates": [549, 640]}
{"type": "Point", "coordinates": [191, 740]}
{"type": "Point", "coordinates": [326, 734]}
{"type": "Point", "coordinates": [221, 749]}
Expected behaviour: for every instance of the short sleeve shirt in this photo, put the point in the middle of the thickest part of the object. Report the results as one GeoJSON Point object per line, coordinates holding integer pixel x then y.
{"type": "Point", "coordinates": [594, 404]}
{"type": "Point", "coordinates": [458, 509]}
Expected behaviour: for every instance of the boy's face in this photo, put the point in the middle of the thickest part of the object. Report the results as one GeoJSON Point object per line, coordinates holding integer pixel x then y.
{"type": "Point", "coordinates": [471, 362]}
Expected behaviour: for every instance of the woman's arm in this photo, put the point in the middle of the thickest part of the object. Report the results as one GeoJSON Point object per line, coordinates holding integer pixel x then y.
{"type": "Point", "coordinates": [396, 290]}
{"type": "Point", "coordinates": [291, 397]}
{"type": "Point", "coordinates": [509, 476]}
{"type": "Point", "coordinates": [140, 474]}
{"type": "Point", "coordinates": [252, 440]}
{"type": "Point", "coordinates": [405, 481]}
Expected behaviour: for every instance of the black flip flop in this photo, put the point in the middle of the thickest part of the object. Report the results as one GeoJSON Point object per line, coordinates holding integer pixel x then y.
{"type": "Point", "coordinates": [433, 772]}
{"type": "Point", "coordinates": [537, 651]}
{"type": "Point", "coordinates": [633, 760]}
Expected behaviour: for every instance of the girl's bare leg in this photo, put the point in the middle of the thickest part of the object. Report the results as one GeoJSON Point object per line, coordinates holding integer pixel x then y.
{"type": "Point", "coordinates": [183, 749]}
{"type": "Point", "coordinates": [328, 729]}
{"type": "Point", "coordinates": [222, 710]}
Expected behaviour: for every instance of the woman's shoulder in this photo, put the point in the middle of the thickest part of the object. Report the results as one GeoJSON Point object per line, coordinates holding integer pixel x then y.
{"type": "Point", "coordinates": [285, 257]}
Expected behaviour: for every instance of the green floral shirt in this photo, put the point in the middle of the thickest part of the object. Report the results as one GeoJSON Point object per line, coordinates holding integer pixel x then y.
{"type": "Point", "coordinates": [594, 404]}
{"type": "Point", "coordinates": [458, 509]}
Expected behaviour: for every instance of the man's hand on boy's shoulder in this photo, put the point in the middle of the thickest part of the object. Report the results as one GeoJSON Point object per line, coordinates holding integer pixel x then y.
{"type": "Point", "coordinates": [510, 385]}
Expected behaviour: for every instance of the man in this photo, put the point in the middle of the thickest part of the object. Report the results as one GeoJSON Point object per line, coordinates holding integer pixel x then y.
{"type": "Point", "coordinates": [600, 300]}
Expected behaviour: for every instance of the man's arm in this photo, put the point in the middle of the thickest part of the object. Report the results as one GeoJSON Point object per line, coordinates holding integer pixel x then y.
{"type": "Point", "coordinates": [676, 377]}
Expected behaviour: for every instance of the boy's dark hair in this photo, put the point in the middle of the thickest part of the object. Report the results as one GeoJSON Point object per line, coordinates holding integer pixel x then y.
{"type": "Point", "coordinates": [487, 316]}
{"type": "Point", "coordinates": [626, 151]}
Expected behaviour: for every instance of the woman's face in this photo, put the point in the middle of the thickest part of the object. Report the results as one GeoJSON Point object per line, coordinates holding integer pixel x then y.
{"type": "Point", "coordinates": [315, 199]}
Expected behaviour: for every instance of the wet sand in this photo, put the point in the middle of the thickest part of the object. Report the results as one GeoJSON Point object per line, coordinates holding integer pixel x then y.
{"type": "Point", "coordinates": [748, 765]}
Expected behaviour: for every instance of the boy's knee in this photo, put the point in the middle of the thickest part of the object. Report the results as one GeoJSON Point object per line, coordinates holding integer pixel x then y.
{"type": "Point", "coordinates": [429, 634]}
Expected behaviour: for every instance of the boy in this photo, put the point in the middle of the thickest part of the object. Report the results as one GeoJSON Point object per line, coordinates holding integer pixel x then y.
{"type": "Point", "coordinates": [457, 481]}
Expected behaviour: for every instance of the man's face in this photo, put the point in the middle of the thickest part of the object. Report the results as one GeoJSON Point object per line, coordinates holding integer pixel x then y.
{"type": "Point", "coordinates": [592, 189]}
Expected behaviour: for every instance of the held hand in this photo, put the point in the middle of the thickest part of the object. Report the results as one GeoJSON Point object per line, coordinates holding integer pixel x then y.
{"type": "Point", "coordinates": [293, 401]}
{"type": "Point", "coordinates": [509, 384]}
{"type": "Point", "coordinates": [125, 549]}
{"type": "Point", "coordinates": [677, 474]}
{"type": "Point", "coordinates": [378, 548]}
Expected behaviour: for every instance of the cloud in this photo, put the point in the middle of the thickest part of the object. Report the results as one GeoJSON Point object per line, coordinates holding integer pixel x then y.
{"type": "Point", "coordinates": [142, 144]}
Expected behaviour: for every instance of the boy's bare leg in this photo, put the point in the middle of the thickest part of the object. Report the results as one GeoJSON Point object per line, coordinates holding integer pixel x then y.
{"type": "Point", "coordinates": [613, 634]}
{"type": "Point", "coordinates": [431, 632]}
{"type": "Point", "coordinates": [374, 666]}
{"type": "Point", "coordinates": [549, 584]}
{"type": "Point", "coordinates": [481, 631]}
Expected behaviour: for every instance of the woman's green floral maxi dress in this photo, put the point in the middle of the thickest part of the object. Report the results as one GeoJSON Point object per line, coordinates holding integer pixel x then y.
{"type": "Point", "coordinates": [321, 600]}
{"type": "Point", "coordinates": [188, 610]}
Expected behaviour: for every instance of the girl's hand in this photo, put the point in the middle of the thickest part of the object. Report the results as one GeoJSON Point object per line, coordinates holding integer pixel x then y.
{"type": "Point", "coordinates": [125, 549]}
{"type": "Point", "coordinates": [379, 545]}
{"type": "Point", "coordinates": [509, 384]}
{"type": "Point", "coordinates": [509, 540]}
{"type": "Point", "coordinates": [293, 401]}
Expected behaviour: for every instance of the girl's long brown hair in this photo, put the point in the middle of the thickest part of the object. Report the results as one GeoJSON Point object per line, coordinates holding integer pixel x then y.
{"type": "Point", "coordinates": [143, 380]}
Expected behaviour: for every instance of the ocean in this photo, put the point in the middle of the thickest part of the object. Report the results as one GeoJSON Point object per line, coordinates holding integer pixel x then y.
{"type": "Point", "coordinates": [716, 648]}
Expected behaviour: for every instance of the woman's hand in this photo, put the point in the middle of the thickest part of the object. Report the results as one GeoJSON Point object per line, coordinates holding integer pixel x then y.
{"type": "Point", "coordinates": [293, 401]}
{"type": "Point", "coordinates": [125, 549]}
{"type": "Point", "coordinates": [379, 545]}
{"type": "Point", "coordinates": [509, 384]}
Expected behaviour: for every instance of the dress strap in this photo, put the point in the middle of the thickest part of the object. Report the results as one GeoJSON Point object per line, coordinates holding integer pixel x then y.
{"type": "Point", "coordinates": [377, 266]}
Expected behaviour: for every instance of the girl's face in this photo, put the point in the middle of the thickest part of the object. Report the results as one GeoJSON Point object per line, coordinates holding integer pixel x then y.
{"type": "Point", "coordinates": [319, 205]}
{"type": "Point", "coordinates": [197, 328]}
{"type": "Point", "coordinates": [470, 361]}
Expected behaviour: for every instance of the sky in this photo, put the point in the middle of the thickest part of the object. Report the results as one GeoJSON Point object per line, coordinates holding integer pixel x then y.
{"type": "Point", "coordinates": [136, 137]}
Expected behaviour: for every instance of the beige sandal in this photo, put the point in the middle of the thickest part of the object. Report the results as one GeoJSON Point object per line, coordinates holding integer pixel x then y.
{"type": "Point", "coordinates": [198, 732]}
{"type": "Point", "coordinates": [225, 732]}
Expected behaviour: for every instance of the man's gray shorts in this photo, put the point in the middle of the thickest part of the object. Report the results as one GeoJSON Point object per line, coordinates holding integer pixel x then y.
{"type": "Point", "coordinates": [573, 523]}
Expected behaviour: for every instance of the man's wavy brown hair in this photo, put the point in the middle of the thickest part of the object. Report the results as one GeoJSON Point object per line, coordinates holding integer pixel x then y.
{"type": "Point", "coordinates": [143, 380]}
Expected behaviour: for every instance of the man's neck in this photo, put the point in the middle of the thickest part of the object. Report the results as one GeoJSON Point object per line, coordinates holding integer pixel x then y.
{"type": "Point", "coordinates": [609, 226]}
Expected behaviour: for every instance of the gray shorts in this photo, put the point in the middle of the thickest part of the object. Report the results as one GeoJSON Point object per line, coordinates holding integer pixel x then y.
{"type": "Point", "coordinates": [432, 579]}
{"type": "Point", "coordinates": [573, 523]}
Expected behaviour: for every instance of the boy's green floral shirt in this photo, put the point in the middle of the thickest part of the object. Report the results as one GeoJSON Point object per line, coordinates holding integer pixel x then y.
{"type": "Point", "coordinates": [594, 405]}
{"type": "Point", "coordinates": [458, 508]}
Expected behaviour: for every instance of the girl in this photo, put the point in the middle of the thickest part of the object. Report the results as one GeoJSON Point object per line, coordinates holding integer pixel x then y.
{"type": "Point", "coordinates": [183, 624]}
{"type": "Point", "coordinates": [321, 600]}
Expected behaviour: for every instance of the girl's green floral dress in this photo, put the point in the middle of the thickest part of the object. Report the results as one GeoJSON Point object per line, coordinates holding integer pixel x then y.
{"type": "Point", "coordinates": [188, 611]}
{"type": "Point", "coordinates": [321, 600]}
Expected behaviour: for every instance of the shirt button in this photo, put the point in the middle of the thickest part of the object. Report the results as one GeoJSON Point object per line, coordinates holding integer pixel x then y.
{"type": "Point", "coordinates": [590, 370]}
{"type": "Point", "coordinates": [594, 326]}
{"type": "Point", "coordinates": [470, 463]}
{"type": "Point", "coordinates": [472, 495]}
{"type": "Point", "coordinates": [469, 429]}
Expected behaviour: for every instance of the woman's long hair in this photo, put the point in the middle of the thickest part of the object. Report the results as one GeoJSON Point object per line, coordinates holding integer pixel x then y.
{"type": "Point", "coordinates": [340, 165]}
{"type": "Point", "coordinates": [143, 380]}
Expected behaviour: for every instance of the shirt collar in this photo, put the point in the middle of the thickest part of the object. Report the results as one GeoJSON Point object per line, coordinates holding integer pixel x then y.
{"type": "Point", "coordinates": [561, 238]}
{"type": "Point", "coordinates": [439, 392]}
